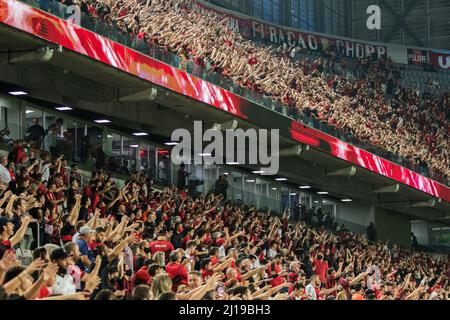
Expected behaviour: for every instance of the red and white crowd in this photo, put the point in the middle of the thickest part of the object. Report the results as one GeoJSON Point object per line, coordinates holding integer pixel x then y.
{"type": "Point", "coordinates": [102, 241]}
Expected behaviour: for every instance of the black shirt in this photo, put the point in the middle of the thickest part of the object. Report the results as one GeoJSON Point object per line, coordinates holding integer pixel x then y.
{"type": "Point", "coordinates": [84, 214]}
{"type": "Point", "coordinates": [176, 240]}
{"type": "Point", "coordinates": [36, 132]}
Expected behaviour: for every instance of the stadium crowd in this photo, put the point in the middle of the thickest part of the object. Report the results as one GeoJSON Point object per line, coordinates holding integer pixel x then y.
{"type": "Point", "coordinates": [373, 108]}
{"type": "Point", "coordinates": [103, 241]}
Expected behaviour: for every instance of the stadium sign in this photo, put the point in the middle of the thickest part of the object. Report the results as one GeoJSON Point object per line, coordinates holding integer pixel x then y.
{"type": "Point", "coordinates": [440, 59]}
{"type": "Point", "coordinates": [258, 30]}
{"type": "Point", "coordinates": [417, 56]}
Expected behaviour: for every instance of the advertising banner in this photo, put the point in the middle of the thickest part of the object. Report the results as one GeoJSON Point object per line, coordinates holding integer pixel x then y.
{"type": "Point", "coordinates": [417, 56]}
{"type": "Point", "coordinates": [258, 30]}
{"type": "Point", "coordinates": [440, 59]}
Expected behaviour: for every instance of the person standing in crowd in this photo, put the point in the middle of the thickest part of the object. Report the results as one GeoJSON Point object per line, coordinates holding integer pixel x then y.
{"type": "Point", "coordinates": [414, 242]}
{"type": "Point", "coordinates": [100, 157]}
{"type": "Point", "coordinates": [221, 186]}
{"type": "Point", "coordinates": [371, 233]}
{"type": "Point", "coordinates": [35, 133]}
{"type": "Point", "coordinates": [5, 176]}
{"type": "Point", "coordinates": [181, 177]}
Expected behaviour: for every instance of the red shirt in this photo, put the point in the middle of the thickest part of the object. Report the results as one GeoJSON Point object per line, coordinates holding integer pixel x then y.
{"type": "Point", "coordinates": [94, 244]}
{"type": "Point", "coordinates": [51, 196]}
{"type": "Point", "coordinates": [207, 273]}
{"type": "Point", "coordinates": [161, 246]}
{"type": "Point", "coordinates": [174, 269]}
{"type": "Point", "coordinates": [7, 246]}
{"type": "Point", "coordinates": [12, 174]}
{"type": "Point", "coordinates": [276, 270]}
{"type": "Point", "coordinates": [185, 240]}
{"type": "Point", "coordinates": [214, 260]}
{"type": "Point", "coordinates": [141, 275]}
{"type": "Point", "coordinates": [321, 269]}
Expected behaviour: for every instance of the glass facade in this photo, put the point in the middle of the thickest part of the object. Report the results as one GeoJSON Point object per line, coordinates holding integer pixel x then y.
{"type": "Point", "coordinates": [334, 17]}
{"type": "Point", "coordinates": [267, 10]}
{"type": "Point", "coordinates": [328, 16]}
{"type": "Point", "coordinates": [95, 146]}
{"type": "Point", "coordinates": [302, 14]}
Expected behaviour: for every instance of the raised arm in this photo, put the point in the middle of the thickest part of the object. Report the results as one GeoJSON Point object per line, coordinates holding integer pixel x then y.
{"type": "Point", "coordinates": [251, 273]}
{"type": "Point", "coordinates": [223, 265]}
{"type": "Point", "coordinates": [120, 247]}
{"type": "Point", "coordinates": [358, 278]}
{"type": "Point", "coordinates": [74, 213]}
{"type": "Point", "coordinates": [18, 236]}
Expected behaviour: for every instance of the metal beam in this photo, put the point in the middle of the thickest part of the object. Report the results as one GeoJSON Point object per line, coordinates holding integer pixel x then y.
{"type": "Point", "coordinates": [391, 189]}
{"type": "Point", "coordinates": [141, 96]}
{"type": "Point", "coordinates": [349, 171]}
{"type": "Point", "coordinates": [431, 203]}
{"type": "Point", "coordinates": [26, 57]}
{"type": "Point", "coordinates": [400, 22]}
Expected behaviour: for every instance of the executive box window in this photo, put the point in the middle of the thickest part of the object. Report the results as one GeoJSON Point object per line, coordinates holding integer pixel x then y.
{"type": "Point", "coordinates": [230, 4]}
{"type": "Point", "coordinates": [268, 10]}
{"type": "Point", "coordinates": [303, 14]}
{"type": "Point", "coordinates": [334, 17]}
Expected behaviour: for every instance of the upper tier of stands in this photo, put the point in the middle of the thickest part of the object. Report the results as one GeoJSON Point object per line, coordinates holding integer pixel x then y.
{"type": "Point", "coordinates": [360, 107]}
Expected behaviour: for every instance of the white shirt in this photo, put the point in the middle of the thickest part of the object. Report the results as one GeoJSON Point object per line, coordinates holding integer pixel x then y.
{"type": "Point", "coordinates": [64, 285]}
{"type": "Point", "coordinates": [311, 292]}
{"type": "Point", "coordinates": [222, 252]}
{"type": "Point", "coordinates": [76, 274]}
{"type": "Point", "coordinates": [76, 237]}
{"type": "Point", "coordinates": [256, 264]}
{"type": "Point", "coordinates": [271, 253]}
{"type": "Point", "coordinates": [4, 174]}
{"type": "Point", "coordinates": [45, 172]}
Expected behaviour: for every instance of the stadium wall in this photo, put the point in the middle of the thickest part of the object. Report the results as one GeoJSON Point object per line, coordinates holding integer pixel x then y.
{"type": "Point", "coordinates": [393, 226]}
{"type": "Point", "coordinates": [355, 216]}
{"type": "Point", "coordinates": [389, 224]}
{"type": "Point", "coordinates": [420, 229]}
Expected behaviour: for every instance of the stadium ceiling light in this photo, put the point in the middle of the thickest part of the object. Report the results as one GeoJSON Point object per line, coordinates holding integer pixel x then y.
{"type": "Point", "coordinates": [293, 194]}
{"type": "Point", "coordinates": [251, 180]}
{"type": "Point", "coordinates": [140, 134]}
{"type": "Point", "coordinates": [110, 136]}
{"type": "Point", "coordinates": [134, 146]}
{"type": "Point", "coordinates": [316, 201]}
{"type": "Point", "coordinates": [233, 163]}
{"type": "Point", "coordinates": [205, 154]}
{"type": "Point", "coordinates": [441, 229]}
{"type": "Point", "coordinates": [346, 200]}
{"type": "Point", "coordinates": [171, 143]}
{"type": "Point", "coordinates": [18, 93]}
{"type": "Point", "coordinates": [64, 108]}
{"type": "Point", "coordinates": [281, 179]}
{"type": "Point", "coordinates": [305, 187]}
{"type": "Point", "coordinates": [258, 172]}
{"type": "Point", "coordinates": [225, 173]}
{"type": "Point", "coordinates": [322, 192]}
{"type": "Point", "coordinates": [28, 111]}
{"type": "Point", "coordinates": [102, 121]}
{"type": "Point", "coordinates": [274, 189]}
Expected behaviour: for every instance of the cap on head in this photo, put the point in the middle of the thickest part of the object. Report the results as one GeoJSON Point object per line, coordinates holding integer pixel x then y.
{"type": "Point", "coordinates": [85, 230]}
